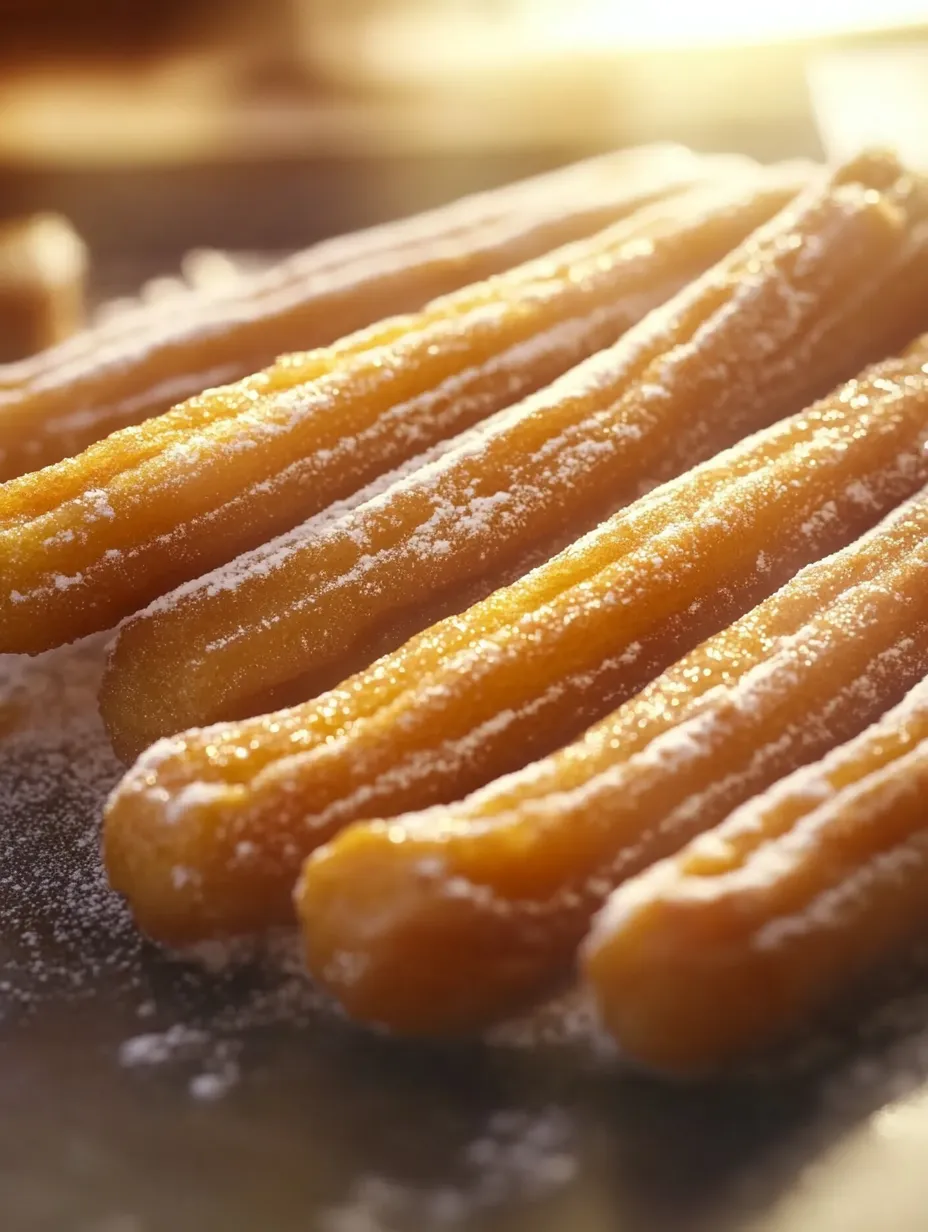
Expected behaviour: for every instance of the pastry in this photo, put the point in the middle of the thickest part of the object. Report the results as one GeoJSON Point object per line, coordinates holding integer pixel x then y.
{"type": "Point", "coordinates": [43, 268]}
{"type": "Point", "coordinates": [93, 538]}
{"type": "Point", "coordinates": [507, 881]}
{"type": "Point", "coordinates": [206, 833]}
{"type": "Point", "coordinates": [756, 925]}
{"type": "Point", "coordinates": [126, 371]}
{"type": "Point", "coordinates": [760, 335]}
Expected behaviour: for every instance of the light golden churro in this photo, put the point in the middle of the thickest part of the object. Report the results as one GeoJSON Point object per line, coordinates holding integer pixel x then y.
{"type": "Point", "coordinates": [761, 334]}
{"type": "Point", "coordinates": [43, 267]}
{"type": "Point", "coordinates": [761, 922]}
{"type": "Point", "coordinates": [506, 882]}
{"type": "Point", "coordinates": [91, 539]}
{"type": "Point", "coordinates": [205, 835]}
{"type": "Point", "coordinates": [57, 404]}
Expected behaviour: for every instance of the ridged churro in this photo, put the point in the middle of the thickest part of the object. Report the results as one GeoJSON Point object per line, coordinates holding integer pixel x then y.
{"type": "Point", "coordinates": [57, 404]}
{"type": "Point", "coordinates": [776, 324]}
{"type": "Point", "coordinates": [206, 833]}
{"type": "Point", "coordinates": [758, 924]}
{"type": "Point", "coordinates": [442, 920]}
{"type": "Point", "coordinates": [93, 538]}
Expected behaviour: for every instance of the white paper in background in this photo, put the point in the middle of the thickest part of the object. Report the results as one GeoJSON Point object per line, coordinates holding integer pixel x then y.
{"type": "Point", "coordinates": [872, 97]}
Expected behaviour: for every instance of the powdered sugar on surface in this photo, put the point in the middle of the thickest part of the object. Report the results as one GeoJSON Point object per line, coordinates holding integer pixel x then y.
{"type": "Point", "coordinates": [58, 919]}
{"type": "Point", "coordinates": [67, 942]}
{"type": "Point", "coordinates": [64, 938]}
{"type": "Point", "coordinates": [520, 1157]}
{"type": "Point", "coordinates": [63, 933]}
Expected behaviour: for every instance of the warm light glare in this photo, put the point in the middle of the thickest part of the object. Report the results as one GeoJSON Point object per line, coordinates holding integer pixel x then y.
{"type": "Point", "coordinates": [709, 23]}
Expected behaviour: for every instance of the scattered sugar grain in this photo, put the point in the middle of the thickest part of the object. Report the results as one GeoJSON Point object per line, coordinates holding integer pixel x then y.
{"type": "Point", "coordinates": [159, 1046]}
{"type": "Point", "coordinates": [519, 1158]}
{"type": "Point", "coordinates": [60, 924]}
{"type": "Point", "coordinates": [210, 1086]}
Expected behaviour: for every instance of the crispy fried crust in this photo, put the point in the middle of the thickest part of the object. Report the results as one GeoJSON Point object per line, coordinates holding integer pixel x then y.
{"type": "Point", "coordinates": [60, 402]}
{"type": "Point", "coordinates": [237, 807]}
{"type": "Point", "coordinates": [91, 539]}
{"type": "Point", "coordinates": [508, 881]}
{"type": "Point", "coordinates": [776, 324]}
{"type": "Point", "coordinates": [758, 924]}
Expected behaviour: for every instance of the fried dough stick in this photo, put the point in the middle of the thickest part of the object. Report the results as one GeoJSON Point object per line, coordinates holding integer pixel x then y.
{"type": "Point", "coordinates": [86, 542]}
{"type": "Point", "coordinates": [446, 919]}
{"type": "Point", "coordinates": [58, 403]}
{"type": "Point", "coordinates": [755, 926]}
{"type": "Point", "coordinates": [773, 326]}
{"type": "Point", "coordinates": [237, 807]}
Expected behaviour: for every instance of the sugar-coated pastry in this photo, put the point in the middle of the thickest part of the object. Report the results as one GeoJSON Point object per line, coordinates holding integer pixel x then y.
{"type": "Point", "coordinates": [56, 404]}
{"type": "Point", "coordinates": [789, 313]}
{"type": "Point", "coordinates": [89, 540]}
{"type": "Point", "coordinates": [236, 807]}
{"type": "Point", "coordinates": [751, 929]}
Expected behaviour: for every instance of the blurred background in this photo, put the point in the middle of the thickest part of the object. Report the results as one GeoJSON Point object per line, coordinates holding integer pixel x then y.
{"type": "Point", "coordinates": [257, 126]}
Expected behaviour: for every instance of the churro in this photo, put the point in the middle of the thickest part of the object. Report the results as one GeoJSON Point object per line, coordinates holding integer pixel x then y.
{"type": "Point", "coordinates": [93, 538]}
{"type": "Point", "coordinates": [776, 324]}
{"type": "Point", "coordinates": [507, 881]}
{"type": "Point", "coordinates": [755, 926]}
{"type": "Point", "coordinates": [206, 833]}
{"type": "Point", "coordinates": [57, 404]}
{"type": "Point", "coordinates": [43, 268]}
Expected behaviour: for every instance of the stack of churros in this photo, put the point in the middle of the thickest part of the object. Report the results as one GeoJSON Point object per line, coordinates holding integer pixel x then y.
{"type": "Point", "coordinates": [507, 881]}
{"type": "Point", "coordinates": [90, 540]}
{"type": "Point", "coordinates": [141, 364]}
{"type": "Point", "coordinates": [802, 889]}
{"type": "Point", "coordinates": [572, 625]}
{"type": "Point", "coordinates": [775, 324]}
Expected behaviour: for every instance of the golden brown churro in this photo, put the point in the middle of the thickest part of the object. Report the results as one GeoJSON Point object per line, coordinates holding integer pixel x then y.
{"type": "Point", "coordinates": [507, 881]}
{"type": "Point", "coordinates": [773, 326]}
{"type": "Point", "coordinates": [206, 833]}
{"type": "Point", "coordinates": [122, 373]}
{"type": "Point", "coordinates": [91, 539]}
{"type": "Point", "coordinates": [764, 920]}
{"type": "Point", "coordinates": [43, 265]}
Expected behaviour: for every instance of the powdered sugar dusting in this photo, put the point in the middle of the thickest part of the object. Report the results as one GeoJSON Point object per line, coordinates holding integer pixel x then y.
{"type": "Point", "coordinates": [669, 566]}
{"type": "Point", "coordinates": [566, 1022]}
{"type": "Point", "coordinates": [241, 427]}
{"type": "Point", "coordinates": [520, 1157]}
{"type": "Point", "coordinates": [63, 932]}
{"type": "Point", "coordinates": [564, 457]}
{"type": "Point", "coordinates": [532, 216]}
{"type": "Point", "coordinates": [54, 770]}
{"type": "Point", "coordinates": [866, 616]}
{"type": "Point", "coordinates": [427, 468]}
{"type": "Point", "coordinates": [473, 516]}
{"type": "Point", "coordinates": [65, 935]}
{"type": "Point", "coordinates": [62, 920]}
